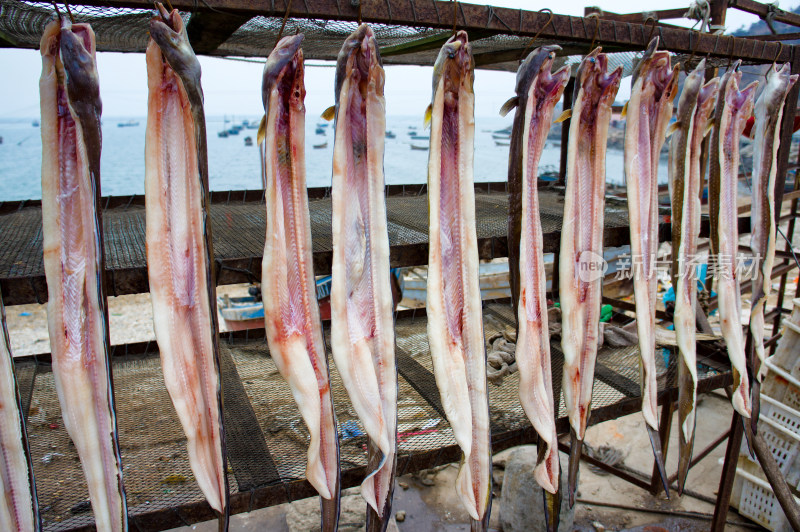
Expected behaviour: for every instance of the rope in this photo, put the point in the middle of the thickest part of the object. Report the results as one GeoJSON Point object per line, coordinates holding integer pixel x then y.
{"type": "Point", "coordinates": [699, 10]}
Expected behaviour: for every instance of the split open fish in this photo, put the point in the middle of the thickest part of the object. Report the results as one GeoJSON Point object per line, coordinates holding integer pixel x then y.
{"type": "Point", "coordinates": [737, 108]}
{"type": "Point", "coordinates": [768, 113]}
{"type": "Point", "coordinates": [179, 251]}
{"type": "Point", "coordinates": [653, 88]}
{"type": "Point", "coordinates": [581, 255]}
{"type": "Point", "coordinates": [291, 313]}
{"type": "Point", "coordinates": [19, 509]}
{"type": "Point", "coordinates": [73, 261]}
{"type": "Point", "coordinates": [455, 318]}
{"type": "Point", "coordinates": [362, 328]}
{"type": "Point", "coordinates": [685, 176]}
{"type": "Point", "coordinates": [538, 90]}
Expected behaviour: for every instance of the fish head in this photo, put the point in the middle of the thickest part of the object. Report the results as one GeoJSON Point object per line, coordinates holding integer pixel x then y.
{"type": "Point", "coordinates": [740, 102]}
{"type": "Point", "coordinates": [454, 67]}
{"type": "Point", "coordinates": [284, 70]}
{"type": "Point", "coordinates": [597, 85]}
{"type": "Point", "coordinates": [168, 31]}
{"type": "Point", "coordinates": [645, 61]}
{"type": "Point", "coordinates": [77, 50]}
{"type": "Point", "coordinates": [360, 60]}
{"type": "Point", "coordinates": [707, 100]}
{"type": "Point", "coordinates": [779, 81]}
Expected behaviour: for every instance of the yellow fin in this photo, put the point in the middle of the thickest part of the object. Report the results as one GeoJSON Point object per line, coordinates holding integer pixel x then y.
{"type": "Point", "coordinates": [509, 105]}
{"type": "Point", "coordinates": [262, 130]}
{"type": "Point", "coordinates": [564, 116]}
{"type": "Point", "coordinates": [709, 127]}
{"type": "Point", "coordinates": [428, 116]}
{"type": "Point", "coordinates": [673, 127]}
{"type": "Point", "coordinates": [329, 113]}
{"type": "Point", "coordinates": [624, 112]}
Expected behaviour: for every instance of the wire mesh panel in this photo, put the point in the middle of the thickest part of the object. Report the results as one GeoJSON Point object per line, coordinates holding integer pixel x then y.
{"type": "Point", "coordinates": [266, 437]}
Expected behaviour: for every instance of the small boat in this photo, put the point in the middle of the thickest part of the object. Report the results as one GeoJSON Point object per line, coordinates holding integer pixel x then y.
{"type": "Point", "coordinates": [222, 134]}
{"type": "Point", "coordinates": [421, 147]}
{"type": "Point", "coordinates": [390, 135]}
{"type": "Point", "coordinates": [322, 124]}
{"type": "Point", "coordinates": [319, 131]}
{"type": "Point", "coordinates": [233, 131]}
{"type": "Point", "coordinates": [502, 142]}
{"type": "Point", "coordinates": [502, 134]}
{"type": "Point", "coordinates": [35, 123]}
{"type": "Point", "coordinates": [252, 125]}
{"type": "Point", "coordinates": [412, 133]}
{"type": "Point", "coordinates": [412, 127]}
{"type": "Point", "coordinates": [420, 137]}
{"type": "Point", "coordinates": [321, 146]}
{"type": "Point", "coordinates": [248, 141]}
{"type": "Point", "coordinates": [129, 123]}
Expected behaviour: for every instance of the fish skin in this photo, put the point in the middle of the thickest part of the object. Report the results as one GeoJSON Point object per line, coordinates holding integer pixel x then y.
{"type": "Point", "coordinates": [362, 328]}
{"type": "Point", "coordinates": [653, 89]}
{"type": "Point", "coordinates": [293, 325]}
{"type": "Point", "coordinates": [582, 240]}
{"type": "Point", "coordinates": [538, 90]}
{"type": "Point", "coordinates": [737, 109]}
{"type": "Point", "coordinates": [179, 252]}
{"type": "Point", "coordinates": [73, 261]}
{"type": "Point", "coordinates": [455, 326]}
{"type": "Point", "coordinates": [19, 508]}
{"type": "Point", "coordinates": [694, 109]}
{"type": "Point", "coordinates": [768, 113]}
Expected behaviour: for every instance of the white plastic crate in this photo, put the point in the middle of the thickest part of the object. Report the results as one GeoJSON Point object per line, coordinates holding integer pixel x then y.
{"type": "Point", "coordinates": [780, 427]}
{"type": "Point", "coordinates": [759, 503]}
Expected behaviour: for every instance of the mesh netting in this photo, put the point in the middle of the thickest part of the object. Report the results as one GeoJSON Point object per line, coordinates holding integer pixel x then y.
{"type": "Point", "coordinates": [265, 434]}
{"type": "Point", "coordinates": [126, 30]}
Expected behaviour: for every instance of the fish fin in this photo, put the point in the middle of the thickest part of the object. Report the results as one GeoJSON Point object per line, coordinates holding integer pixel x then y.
{"type": "Point", "coordinates": [428, 117]}
{"type": "Point", "coordinates": [752, 133]}
{"type": "Point", "coordinates": [624, 112]}
{"type": "Point", "coordinates": [262, 130]}
{"type": "Point", "coordinates": [673, 127]}
{"type": "Point", "coordinates": [709, 126]}
{"type": "Point", "coordinates": [329, 113]}
{"type": "Point", "coordinates": [510, 104]}
{"type": "Point", "coordinates": [564, 116]}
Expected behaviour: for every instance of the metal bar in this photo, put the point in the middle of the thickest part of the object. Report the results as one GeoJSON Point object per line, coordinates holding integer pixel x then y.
{"type": "Point", "coordinates": [728, 474]}
{"type": "Point", "coordinates": [619, 473]}
{"type": "Point", "coordinates": [762, 10]}
{"type": "Point", "coordinates": [473, 17]}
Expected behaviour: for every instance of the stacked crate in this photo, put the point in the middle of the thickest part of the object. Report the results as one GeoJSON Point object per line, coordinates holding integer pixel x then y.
{"type": "Point", "coordinates": [779, 424]}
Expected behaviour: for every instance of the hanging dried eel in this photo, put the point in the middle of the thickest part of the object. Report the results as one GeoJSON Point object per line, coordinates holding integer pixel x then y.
{"type": "Point", "coordinates": [768, 112]}
{"type": "Point", "coordinates": [179, 251]}
{"type": "Point", "coordinates": [19, 509]}
{"type": "Point", "coordinates": [580, 263]}
{"type": "Point", "coordinates": [455, 327]}
{"type": "Point", "coordinates": [694, 110]}
{"type": "Point", "coordinates": [73, 262]}
{"type": "Point", "coordinates": [291, 313]}
{"type": "Point", "coordinates": [362, 328]}
{"type": "Point", "coordinates": [737, 107]}
{"type": "Point", "coordinates": [653, 89]}
{"type": "Point", "coordinates": [538, 91]}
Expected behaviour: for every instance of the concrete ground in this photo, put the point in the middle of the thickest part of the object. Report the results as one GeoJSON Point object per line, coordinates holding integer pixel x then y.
{"type": "Point", "coordinates": [428, 502]}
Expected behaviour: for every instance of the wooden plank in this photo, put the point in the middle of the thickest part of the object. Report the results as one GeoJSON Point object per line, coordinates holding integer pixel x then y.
{"type": "Point", "coordinates": [639, 18]}
{"type": "Point", "coordinates": [471, 17]}
{"type": "Point", "coordinates": [778, 37]}
{"type": "Point", "coordinates": [208, 30]}
{"type": "Point", "coordinates": [757, 8]}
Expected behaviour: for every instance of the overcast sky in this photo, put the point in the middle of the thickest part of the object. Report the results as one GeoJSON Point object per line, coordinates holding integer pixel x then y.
{"type": "Point", "coordinates": [233, 87]}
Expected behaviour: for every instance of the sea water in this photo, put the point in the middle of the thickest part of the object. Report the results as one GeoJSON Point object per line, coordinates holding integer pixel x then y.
{"type": "Point", "coordinates": [235, 166]}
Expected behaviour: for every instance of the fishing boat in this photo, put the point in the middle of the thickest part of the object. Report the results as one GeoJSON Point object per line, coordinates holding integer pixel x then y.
{"type": "Point", "coordinates": [223, 134]}
{"type": "Point", "coordinates": [321, 146]}
{"type": "Point", "coordinates": [35, 123]}
{"type": "Point", "coordinates": [391, 135]}
{"type": "Point", "coordinates": [502, 134]}
{"type": "Point", "coordinates": [248, 141]}
{"type": "Point", "coordinates": [129, 123]}
{"type": "Point", "coordinates": [234, 130]}
{"type": "Point", "coordinates": [420, 147]}
{"type": "Point", "coordinates": [502, 142]}
{"type": "Point", "coordinates": [319, 131]}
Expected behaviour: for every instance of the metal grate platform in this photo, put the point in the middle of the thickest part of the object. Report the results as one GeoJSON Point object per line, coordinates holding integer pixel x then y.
{"type": "Point", "coordinates": [238, 228]}
{"type": "Point", "coordinates": [265, 434]}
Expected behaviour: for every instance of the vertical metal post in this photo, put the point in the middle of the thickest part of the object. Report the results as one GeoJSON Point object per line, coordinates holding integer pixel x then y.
{"type": "Point", "coordinates": [787, 128]}
{"type": "Point", "coordinates": [562, 170]}
{"type": "Point", "coordinates": [728, 474]}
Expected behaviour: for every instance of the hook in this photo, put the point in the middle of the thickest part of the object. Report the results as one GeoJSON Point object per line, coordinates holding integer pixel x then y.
{"type": "Point", "coordinates": [549, 21]}
{"type": "Point", "coordinates": [778, 54]}
{"type": "Point", "coordinates": [596, 29]}
{"type": "Point", "coordinates": [169, 5]}
{"type": "Point", "coordinates": [283, 23]}
{"type": "Point", "coordinates": [652, 29]}
{"type": "Point", "coordinates": [730, 55]}
{"type": "Point", "coordinates": [694, 49]}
